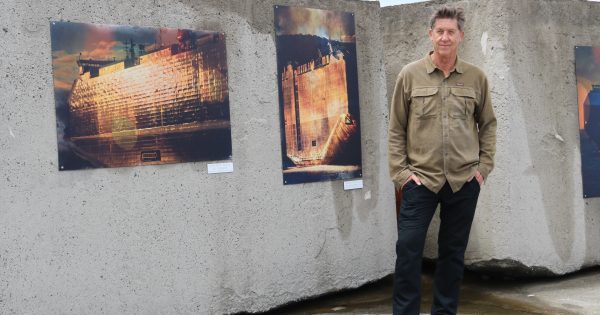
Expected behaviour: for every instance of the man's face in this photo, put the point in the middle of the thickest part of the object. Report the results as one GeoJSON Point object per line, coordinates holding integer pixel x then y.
{"type": "Point", "coordinates": [446, 37]}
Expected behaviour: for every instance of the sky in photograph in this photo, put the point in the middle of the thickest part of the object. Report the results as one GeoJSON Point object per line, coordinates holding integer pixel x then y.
{"type": "Point", "coordinates": [71, 41]}
{"type": "Point", "coordinates": [333, 25]}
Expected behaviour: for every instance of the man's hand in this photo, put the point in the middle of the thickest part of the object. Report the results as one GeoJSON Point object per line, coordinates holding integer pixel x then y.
{"type": "Point", "coordinates": [414, 178]}
{"type": "Point", "coordinates": [478, 177]}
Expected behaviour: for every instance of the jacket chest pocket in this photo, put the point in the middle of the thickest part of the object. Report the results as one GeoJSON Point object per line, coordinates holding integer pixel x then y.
{"type": "Point", "coordinates": [461, 103]}
{"type": "Point", "coordinates": [424, 104]}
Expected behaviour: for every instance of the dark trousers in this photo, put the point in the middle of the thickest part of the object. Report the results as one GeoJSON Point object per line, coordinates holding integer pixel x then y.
{"type": "Point", "coordinates": [456, 215]}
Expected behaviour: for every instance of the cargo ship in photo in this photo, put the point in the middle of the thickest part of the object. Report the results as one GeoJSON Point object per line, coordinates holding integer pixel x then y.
{"type": "Point", "coordinates": [318, 127]}
{"type": "Point", "coordinates": [168, 105]}
{"type": "Point", "coordinates": [318, 94]}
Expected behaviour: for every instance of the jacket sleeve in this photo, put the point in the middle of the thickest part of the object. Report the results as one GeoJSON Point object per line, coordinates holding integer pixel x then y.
{"type": "Point", "coordinates": [486, 122]}
{"type": "Point", "coordinates": [397, 150]}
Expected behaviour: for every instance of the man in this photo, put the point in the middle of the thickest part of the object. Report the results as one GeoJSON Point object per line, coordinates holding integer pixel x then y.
{"type": "Point", "coordinates": [442, 140]}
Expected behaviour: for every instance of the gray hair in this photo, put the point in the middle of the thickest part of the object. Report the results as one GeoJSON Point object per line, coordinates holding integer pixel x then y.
{"type": "Point", "coordinates": [447, 12]}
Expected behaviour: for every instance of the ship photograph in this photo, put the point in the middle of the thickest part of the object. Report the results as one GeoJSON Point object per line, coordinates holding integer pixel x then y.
{"type": "Point", "coordinates": [128, 96]}
{"type": "Point", "coordinates": [587, 72]}
{"type": "Point", "coordinates": [318, 94]}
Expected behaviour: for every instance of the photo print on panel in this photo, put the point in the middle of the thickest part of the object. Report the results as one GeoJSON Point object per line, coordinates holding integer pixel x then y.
{"type": "Point", "coordinates": [587, 73]}
{"type": "Point", "coordinates": [318, 94]}
{"type": "Point", "coordinates": [129, 96]}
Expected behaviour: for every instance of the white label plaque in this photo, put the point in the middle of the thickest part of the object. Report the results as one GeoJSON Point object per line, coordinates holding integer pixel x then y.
{"type": "Point", "coordinates": [353, 184]}
{"type": "Point", "coordinates": [220, 168]}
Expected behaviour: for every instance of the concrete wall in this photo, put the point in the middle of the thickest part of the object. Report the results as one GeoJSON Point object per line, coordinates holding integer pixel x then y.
{"type": "Point", "coordinates": [532, 218]}
{"type": "Point", "coordinates": [171, 238]}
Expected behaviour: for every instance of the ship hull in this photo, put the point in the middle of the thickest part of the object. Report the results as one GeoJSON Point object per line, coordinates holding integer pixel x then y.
{"type": "Point", "coordinates": [171, 106]}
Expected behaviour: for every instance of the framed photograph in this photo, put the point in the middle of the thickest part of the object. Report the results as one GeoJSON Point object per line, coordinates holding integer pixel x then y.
{"type": "Point", "coordinates": [129, 96]}
{"type": "Point", "coordinates": [587, 72]}
{"type": "Point", "coordinates": [318, 94]}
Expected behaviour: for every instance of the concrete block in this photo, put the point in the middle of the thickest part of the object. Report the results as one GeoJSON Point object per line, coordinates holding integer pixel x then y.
{"type": "Point", "coordinates": [532, 218]}
{"type": "Point", "coordinates": [172, 238]}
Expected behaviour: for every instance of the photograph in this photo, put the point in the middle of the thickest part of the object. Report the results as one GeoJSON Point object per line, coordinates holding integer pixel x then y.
{"type": "Point", "coordinates": [587, 72]}
{"type": "Point", "coordinates": [128, 95]}
{"type": "Point", "coordinates": [318, 95]}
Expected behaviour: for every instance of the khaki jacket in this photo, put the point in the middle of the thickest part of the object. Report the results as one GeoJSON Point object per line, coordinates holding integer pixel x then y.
{"type": "Point", "coordinates": [441, 129]}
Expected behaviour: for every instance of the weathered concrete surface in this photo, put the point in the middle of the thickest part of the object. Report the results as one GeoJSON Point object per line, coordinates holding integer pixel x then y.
{"type": "Point", "coordinates": [531, 215]}
{"type": "Point", "coordinates": [173, 239]}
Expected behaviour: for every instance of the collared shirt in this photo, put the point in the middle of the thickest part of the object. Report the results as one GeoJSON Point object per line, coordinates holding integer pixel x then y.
{"type": "Point", "coordinates": [441, 128]}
